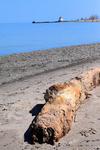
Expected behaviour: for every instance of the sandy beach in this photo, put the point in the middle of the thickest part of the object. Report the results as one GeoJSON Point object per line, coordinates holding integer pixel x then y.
{"type": "Point", "coordinates": [23, 79]}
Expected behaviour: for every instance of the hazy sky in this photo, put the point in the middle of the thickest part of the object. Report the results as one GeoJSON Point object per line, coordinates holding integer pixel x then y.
{"type": "Point", "coordinates": [39, 10]}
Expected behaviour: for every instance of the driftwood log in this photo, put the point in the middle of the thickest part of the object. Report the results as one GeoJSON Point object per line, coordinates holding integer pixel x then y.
{"type": "Point", "coordinates": [62, 101]}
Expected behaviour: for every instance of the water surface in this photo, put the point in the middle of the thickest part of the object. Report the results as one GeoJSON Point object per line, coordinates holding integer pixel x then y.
{"type": "Point", "coordinates": [25, 37]}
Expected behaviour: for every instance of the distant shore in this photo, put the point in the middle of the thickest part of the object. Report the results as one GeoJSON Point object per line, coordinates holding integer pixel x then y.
{"type": "Point", "coordinates": [19, 66]}
{"type": "Point", "coordinates": [66, 21]}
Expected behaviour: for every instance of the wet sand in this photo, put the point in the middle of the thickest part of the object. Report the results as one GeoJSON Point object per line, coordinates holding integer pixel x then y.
{"type": "Point", "coordinates": [24, 78]}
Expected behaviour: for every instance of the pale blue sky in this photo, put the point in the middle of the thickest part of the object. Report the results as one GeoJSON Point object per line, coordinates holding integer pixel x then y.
{"type": "Point", "coordinates": [39, 10]}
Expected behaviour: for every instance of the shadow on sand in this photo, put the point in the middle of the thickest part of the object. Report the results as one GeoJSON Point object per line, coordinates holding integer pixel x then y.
{"type": "Point", "coordinates": [29, 132]}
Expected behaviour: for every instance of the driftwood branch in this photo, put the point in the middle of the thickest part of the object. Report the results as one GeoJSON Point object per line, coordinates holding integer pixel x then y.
{"type": "Point", "coordinates": [62, 101]}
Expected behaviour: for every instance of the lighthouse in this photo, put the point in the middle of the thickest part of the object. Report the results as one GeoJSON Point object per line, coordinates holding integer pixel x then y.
{"type": "Point", "coordinates": [61, 19]}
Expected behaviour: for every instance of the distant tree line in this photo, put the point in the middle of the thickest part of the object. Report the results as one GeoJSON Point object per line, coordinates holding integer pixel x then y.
{"type": "Point", "coordinates": [92, 17]}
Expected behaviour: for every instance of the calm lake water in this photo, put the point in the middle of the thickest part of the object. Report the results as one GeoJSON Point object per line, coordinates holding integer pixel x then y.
{"type": "Point", "coordinates": [25, 37]}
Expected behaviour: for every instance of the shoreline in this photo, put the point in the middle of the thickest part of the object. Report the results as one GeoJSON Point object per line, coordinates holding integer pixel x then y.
{"type": "Point", "coordinates": [25, 65]}
{"type": "Point", "coordinates": [49, 49]}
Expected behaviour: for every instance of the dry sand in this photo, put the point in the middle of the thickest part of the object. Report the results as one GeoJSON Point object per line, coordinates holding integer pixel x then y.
{"type": "Point", "coordinates": [24, 78]}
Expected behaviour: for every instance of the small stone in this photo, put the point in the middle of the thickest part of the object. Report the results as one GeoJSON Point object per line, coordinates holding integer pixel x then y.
{"type": "Point", "coordinates": [4, 109]}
